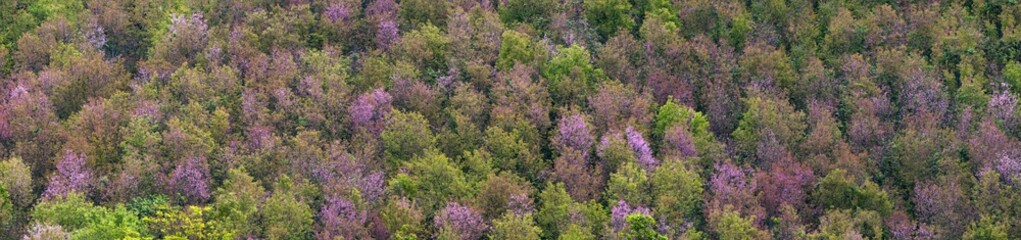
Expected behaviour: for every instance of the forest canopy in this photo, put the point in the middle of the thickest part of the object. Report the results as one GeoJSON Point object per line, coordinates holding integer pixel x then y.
{"type": "Point", "coordinates": [510, 119]}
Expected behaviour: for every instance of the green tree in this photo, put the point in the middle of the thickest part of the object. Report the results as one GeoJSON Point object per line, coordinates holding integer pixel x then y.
{"type": "Point", "coordinates": [86, 221]}
{"type": "Point", "coordinates": [838, 191]}
{"type": "Point", "coordinates": [630, 183]}
{"type": "Point", "coordinates": [729, 225]}
{"type": "Point", "coordinates": [510, 152]}
{"type": "Point", "coordinates": [416, 13]}
{"type": "Point", "coordinates": [6, 208]}
{"type": "Point", "coordinates": [768, 116]}
{"type": "Point", "coordinates": [571, 75]}
{"type": "Point", "coordinates": [1012, 73]}
{"type": "Point", "coordinates": [16, 177]}
{"type": "Point", "coordinates": [515, 227]}
{"type": "Point", "coordinates": [692, 123]}
{"type": "Point", "coordinates": [641, 227]}
{"type": "Point", "coordinates": [285, 216]}
{"type": "Point", "coordinates": [845, 224]}
{"type": "Point", "coordinates": [427, 47]}
{"type": "Point", "coordinates": [401, 216]}
{"type": "Point", "coordinates": [238, 202]}
{"type": "Point", "coordinates": [555, 211]}
{"type": "Point", "coordinates": [677, 192]}
{"type": "Point", "coordinates": [517, 48]}
{"type": "Point", "coordinates": [987, 228]}
{"type": "Point", "coordinates": [435, 180]}
{"type": "Point", "coordinates": [538, 13]}
{"type": "Point", "coordinates": [609, 16]}
{"type": "Point", "coordinates": [116, 223]}
{"type": "Point", "coordinates": [406, 136]}
{"type": "Point", "coordinates": [191, 222]}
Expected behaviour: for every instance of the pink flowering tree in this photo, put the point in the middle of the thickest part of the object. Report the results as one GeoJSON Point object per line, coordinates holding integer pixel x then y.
{"type": "Point", "coordinates": [368, 112]}
{"type": "Point", "coordinates": [190, 179]}
{"type": "Point", "coordinates": [460, 220]}
{"type": "Point", "coordinates": [72, 176]}
{"type": "Point", "coordinates": [340, 218]}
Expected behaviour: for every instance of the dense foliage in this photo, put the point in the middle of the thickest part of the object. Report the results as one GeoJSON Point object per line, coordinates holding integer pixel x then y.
{"type": "Point", "coordinates": [512, 119]}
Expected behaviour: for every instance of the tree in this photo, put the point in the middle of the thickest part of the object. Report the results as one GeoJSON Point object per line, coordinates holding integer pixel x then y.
{"type": "Point", "coordinates": [517, 48]}
{"type": "Point", "coordinates": [641, 226]}
{"type": "Point", "coordinates": [237, 203]}
{"type": "Point", "coordinates": [462, 221]}
{"type": "Point", "coordinates": [571, 75]}
{"type": "Point", "coordinates": [642, 150]}
{"type": "Point", "coordinates": [431, 180]}
{"type": "Point", "coordinates": [630, 184]}
{"type": "Point", "coordinates": [582, 180]}
{"type": "Point", "coordinates": [768, 117]}
{"type": "Point", "coordinates": [785, 183]}
{"type": "Point", "coordinates": [681, 132]}
{"type": "Point", "coordinates": [406, 136]}
{"type": "Point", "coordinates": [729, 225]}
{"type": "Point", "coordinates": [986, 228]}
{"type": "Point", "coordinates": [557, 213]}
{"type": "Point", "coordinates": [6, 208]}
{"type": "Point", "coordinates": [621, 213]}
{"type": "Point", "coordinates": [510, 152]}
{"type": "Point", "coordinates": [72, 176]}
{"type": "Point", "coordinates": [402, 218]}
{"type": "Point", "coordinates": [187, 223]}
{"type": "Point", "coordinates": [615, 105]}
{"type": "Point", "coordinates": [83, 220]}
{"type": "Point", "coordinates": [609, 16]}
{"type": "Point", "coordinates": [849, 224]}
{"type": "Point", "coordinates": [513, 226]}
{"type": "Point", "coordinates": [498, 192]}
{"type": "Point", "coordinates": [943, 206]}
{"type": "Point", "coordinates": [285, 215]}
{"type": "Point", "coordinates": [184, 42]}
{"type": "Point", "coordinates": [537, 13]}
{"type": "Point", "coordinates": [677, 193]}
{"type": "Point", "coordinates": [426, 47]}
{"type": "Point", "coordinates": [574, 132]}
{"type": "Point", "coordinates": [370, 111]}
{"type": "Point", "coordinates": [342, 218]}
{"type": "Point", "coordinates": [834, 191]}
{"type": "Point", "coordinates": [417, 13]}
{"type": "Point", "coordinates": [46, 232]}
{"type": "Point", "coordinates": [16, 178]}
{"type": "Point", "coordinates": [734, 190]}
{"type": "Point", "coordinates": [191, 180]}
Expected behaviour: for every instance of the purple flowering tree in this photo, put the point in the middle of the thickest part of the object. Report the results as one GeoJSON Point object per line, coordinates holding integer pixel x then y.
{"type": "Point", "coordinates": [1003, 107]}
{"type": "Point", "coordinates": [903, 228]}
{"type": "Point", "coordinates": [677, 141]}
{"type": "Point", "coordinates": [619, 213]}
{"type": "Point", "coordinates": [643, 154]}
{"type": "Point", "coordinates": [369, 111]}
{"type": "Point", "coordinates": [340, 218]}
{"type": "Point", "coordinates": [72, 176]}
{"type": "Point", "coordinates": [731, 186]}
{"type": "Point", "coordinates": [583, 182]}
{"type": "Point", "coordinates": [942, 205]}
{"type": "Point", "coordinates": [989, 145]}
{"type": "Point", "coordinates": [574, 133]}
{"type": "Point", "coordinates": [191, 180]}
{"type": "Point", "coordinates": [615, 105]}
{"type": "Point", "coordinates": [1009, 168]}
{"type": "Point", "coordinates": [520, 204]}
{"type": "Point", "coordinates": [386, 34]}
{"type": "Point", "coordinates": [574, 142]}
{"type": "Point", "coordinates": [463, 221]}
{"type": "Point", "coordinates": [786, 183]}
